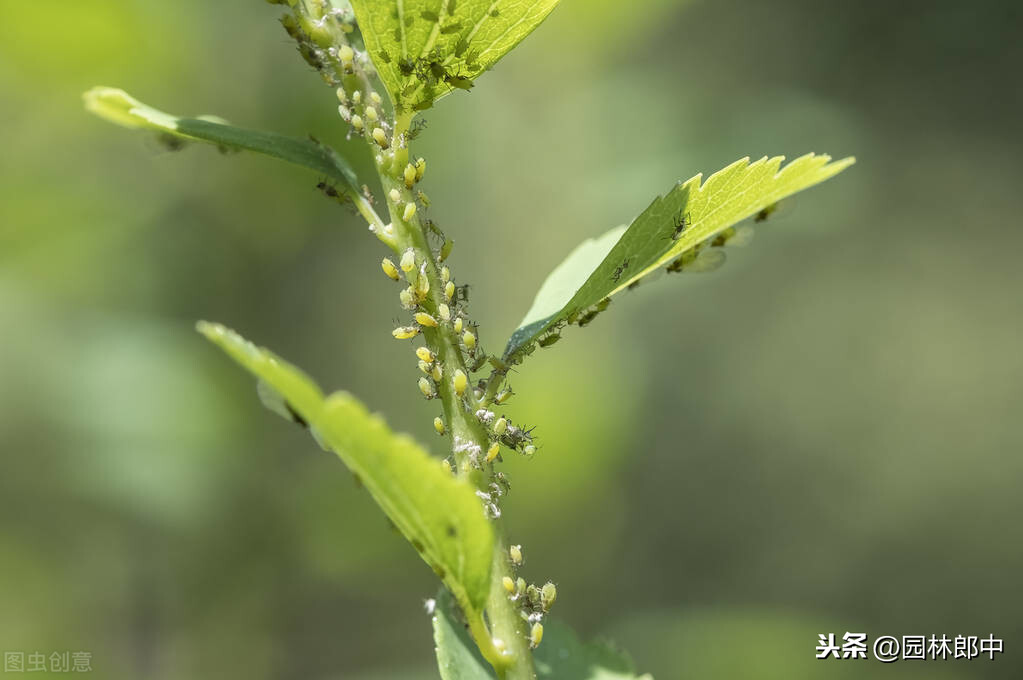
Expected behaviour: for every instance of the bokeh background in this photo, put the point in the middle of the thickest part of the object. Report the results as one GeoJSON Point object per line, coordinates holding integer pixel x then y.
{"type": "Point", "coordinates": [822, 436]}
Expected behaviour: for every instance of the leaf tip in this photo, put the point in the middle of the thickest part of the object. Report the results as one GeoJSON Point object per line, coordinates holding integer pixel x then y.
{"type": "Point", "coordinates": [112, 104]}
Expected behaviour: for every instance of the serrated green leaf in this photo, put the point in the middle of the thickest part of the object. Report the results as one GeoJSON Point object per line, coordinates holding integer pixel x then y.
{"type": "Point", "coordinates": [560, 656]}
{"type": "Point", "coordinates": [117, 106]}
{"type": "Point", "coordinates": [438, 514]}
{"type": "Point", "coordinates": [600, 268]}
{"type": "Point", "coordinates": [424, 49]}
{"type": "Point", "coordinates": [457, 656]}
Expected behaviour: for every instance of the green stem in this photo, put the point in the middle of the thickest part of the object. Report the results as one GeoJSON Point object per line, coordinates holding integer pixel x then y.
{"type": "Point", "coordinates": [511, 657]}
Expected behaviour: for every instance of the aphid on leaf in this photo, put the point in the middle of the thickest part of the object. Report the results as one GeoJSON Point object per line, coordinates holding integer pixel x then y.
{"type": "Point", "coordinates": [425, 354]}
{"type": "Point", "coordinates": [406, 66]}
{"type": "Point", "coordinates": [619, 270]}
{"type": "Point", "coordinates": [451, 28]}
{"type": "Point", "coordinates": [492, 452]}
{"type": "Point", "coordinates": [515, 553]}
{"type": "Point", "coordinates": [384, 56]}
{"type": "Point", "coordinates": [429, 15]}
{"type": "Point", "coordinates": [508, 584]}
{"type": "Point", "coordinates": [437, 373]}
{"type": "Point", "coordinates": [680, 222]}
{"type": "Point", "coordinates": [549, 339]}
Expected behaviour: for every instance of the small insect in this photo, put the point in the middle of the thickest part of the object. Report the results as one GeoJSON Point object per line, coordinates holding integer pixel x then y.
{"type": "Point", "coordinates": [417, 127]}
{"type": "Point", "coordinates": [462, 293]}
{"type": "Point", "coordinates": [765, 213]}
{"type": "Point", "coordinates": [680, 222]}
{"type": "Point", "coordinates": [328, 189]}
{"type": "Point", "coordinates": [549, 339]}
{"type": "Point", "coordinates": [621, 269]}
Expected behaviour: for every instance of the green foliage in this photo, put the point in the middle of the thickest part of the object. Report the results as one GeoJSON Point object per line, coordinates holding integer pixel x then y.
{"type": "Point", "coordinates": [437, 513]}
{"type": "Point", "coordinates": [599, 268]}
{"type": "Point", "coordinates": [561, 656]}
{"type": "Point", "coordinates": [424, 49]}
{"type": "Point", "coordinates": [117, 106]}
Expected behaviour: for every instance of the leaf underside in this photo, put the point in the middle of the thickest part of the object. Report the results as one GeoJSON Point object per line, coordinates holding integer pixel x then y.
{"type": "Point", "coordinates": [117, 106]}
{"type": "Point", "coordinates": [438, 514]}
{"type": "Point", "coordinates": [424, 49]}
{"type": "Point", "coordinates": [561, 656]}
{"type": "Point", "coordinates": [602, 267]}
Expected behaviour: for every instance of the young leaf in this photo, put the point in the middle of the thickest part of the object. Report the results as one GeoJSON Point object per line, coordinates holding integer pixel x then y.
{"type": "Point", "coordinates": [672, 229]}
{"type": "Point", "coordinates": [457, 656]}
{"type": "Point", "coordinates": [438, 514]}
{"type": "Point", "coordinates": [560, 656]}
{"type": "Point", "coordinates": [117, 106]}
{"type": "Point", "coordinates": [424, 49]}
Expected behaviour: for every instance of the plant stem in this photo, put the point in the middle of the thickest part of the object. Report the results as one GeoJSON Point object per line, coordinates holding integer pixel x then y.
{"type": "Point", "coordinates": [511, 656]}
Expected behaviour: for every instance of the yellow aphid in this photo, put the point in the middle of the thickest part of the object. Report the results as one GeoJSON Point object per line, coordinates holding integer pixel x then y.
{"type": "Point", "coordinates": [492, 452]}
{"type": "Point", "coordinates": [408, 260]}
{"type": "Point", "coordinates": [444, 311]}
{"type": "Point", "coordinates": [410, 176]}
{"type": "Point", "coordinates": [420, 168]}
{"type": "Point", "coordinates": [426, 387]}
{"type": "Point", "coordinates": [342, 96]}
{"type": "Point", "coordinates": [389, 269]}
{"type": "Point", "coordinates": [470, 340]}
{"type": "Point", "coordinates": [503, 396]}
{"type": "Point", "coordinates": [425, 354]}
{"type": "Point", "coordinates": [380, 137]}
{"type": "Point", "coordinates": [346, 54]}
{"type": "Point", "coordinates": [508, 584]}
{"type": "Point", "coordinates": [357, 96]}
{"type": "Point", "coordinates": [394, 195]}
{"type": "Point", "coordinates": [371, 114]}
{"type": "Point", "coordinates": [515, 553]}
{"type": "Point", "coordinates": [405, 332]}
{"type": "Point", "coordinates": [410, 211]}
{"type": "Point", "coordinates": [445, 274]}
{"type": "Point", "coordinates": [520, 585]}
{"type": "Point", "coordinates": [357, 120]}
{"type": "Point", "coordinates": [548, 594]}
{"type": "Point", "coordinates": [438, 425]}
{"type": "Point", "coordinates": [449, 290]}
{"type": "Point", "coordinates": [445, 249]}
{"type": "Point", "coordinates": [460, 382]}
{"type": "Point", "coordinates": [529, 450]}
{"type": "Point", "coordinates": [437, 372]}
{"type": "Point", "coordinates": [458, 325]}
{"type": "Point", "coordinates": [375, 98]}
{"type": "Point", "coordinates": [500, 426]}
{"type": "Point", "coordinates": [425, 367]}
{"type": "Point", "coordinates": [536, 635]}
{"type": "Point", "coordinates": [407, 298]}
{"type": "Point", "coordinates": [422, 285]}
{"type": "Point", "coordinates": [424, 319]}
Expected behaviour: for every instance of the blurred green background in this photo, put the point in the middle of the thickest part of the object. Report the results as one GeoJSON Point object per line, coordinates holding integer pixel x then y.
{"type": "Point", "coordinates": [822, 436]}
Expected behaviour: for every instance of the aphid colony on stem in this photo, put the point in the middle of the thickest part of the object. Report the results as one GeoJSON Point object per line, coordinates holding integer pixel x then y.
{"type": "Point", "coordinates": [449, 349]}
